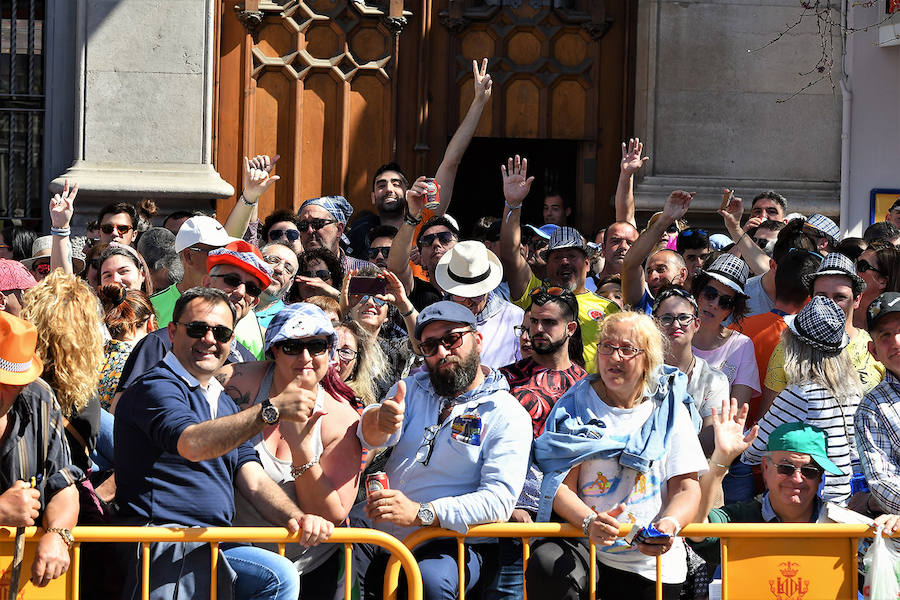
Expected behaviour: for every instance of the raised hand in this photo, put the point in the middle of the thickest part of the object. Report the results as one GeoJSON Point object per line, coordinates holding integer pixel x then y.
{"type": "Point", "coordinates": [728, 428]}
{"type": "Point", "coordinates": [753, 222]}
{"type": "Point", "coordinates": [390, 413]}
{"type": "Point", "coordinates": [631, 156]}
{"type": "Point", "coordinates": [257, 177]}
{"type": "Point", "coordinates": [731, 214]}
{"type": "Point", "coordinates": [677, 204]}
{"type": "Point", "coordinates": [415, 197]}
{"type": "Point", "coordinates": [62, 206]}
{"type": "Point", "coordinates": [394, 292]}
{"type": "Point", "coordinates": [516, 184]}
{"type": "Point", "coordinates": [482, 79]}
{"type": "Point", "coordinates": [296, 403]}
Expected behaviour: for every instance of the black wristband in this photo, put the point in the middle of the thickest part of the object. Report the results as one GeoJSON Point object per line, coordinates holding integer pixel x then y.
{"type": "Point", "coordinates": [409, 219]}
{"type": "Point", "coordinates": [409, 312]}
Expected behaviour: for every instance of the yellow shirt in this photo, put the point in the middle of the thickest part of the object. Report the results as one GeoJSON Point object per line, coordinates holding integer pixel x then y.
{"type": "Point", "coordinates": [870, 371]}
{"type": "Point", "coordinates": [591, 310]}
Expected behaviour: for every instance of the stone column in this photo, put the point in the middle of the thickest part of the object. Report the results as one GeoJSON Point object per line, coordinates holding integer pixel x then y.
{"type": "Point", "coordinates": [138, 108]}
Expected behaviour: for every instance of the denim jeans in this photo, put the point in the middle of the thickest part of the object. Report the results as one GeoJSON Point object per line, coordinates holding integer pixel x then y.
{"type": "Point", "coordinates": [102, 456]}
{"type": "Point", "coordinates": [508, 584]}
{"type": "Point", "coordinates": [262, 574]}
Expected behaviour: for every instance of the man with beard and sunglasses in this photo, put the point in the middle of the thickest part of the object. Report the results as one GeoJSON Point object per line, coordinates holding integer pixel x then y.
{"type": "Point", "coordinates": [182, 449]}
{"type": "Point", "coordinates": [238, 270]}
{"type": "Point", "coordinates": [461, 445]}
{"type": "Point", "coordinates": [537, 383]}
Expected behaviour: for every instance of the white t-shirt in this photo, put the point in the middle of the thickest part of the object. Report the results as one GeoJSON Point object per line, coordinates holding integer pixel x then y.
{"type": "Point", "coordinates": [736, 358]}
{"type": "Point", "coordinates": [602, 484]}
{"type": "Point", "coordinates": [708, 387]}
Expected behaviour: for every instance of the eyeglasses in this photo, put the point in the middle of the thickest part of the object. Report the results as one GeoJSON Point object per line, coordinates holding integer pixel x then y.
{"type": "Point", "coordinates": [444, 237]}
{"type": "Point", "coordinates": [322, 274]}
{"type": "Point", "coordinates": [423, 454]}
{"type": "Point", "coordinates": [375, 251]}
{"type": "Point", "coordinates": [316, 224]}
{"type": "Point", "coordinates": [683, 319]}
{"type": "Point", "coordinates": [449, 341]}
{"type": "Point", "coordinates": [314, 347]}
{"type": "Point", "coordinates": [862, 265]}
{"type": "Point", "coordinates": [365, 298]}
{"type": "Point", "coordinates": [521, 330]}
{"type": "Point", "coordinates": [235, 282]}
{"type": "Point", "coordinates": [120, 229]}
{"type": "Point", "coordinates": [347, 354]}
{"type": "Point", "coordinates": [277, 260]}
{"type": "Point", "coordinates": [42, 269]}
{"type": "Point", "coordinates": [626, 352]}
{"type": "Point", "coordinates": [807, 471]}
{"type": "Point", "coordinates": [198, 329]}
{"type": "Point", "coordinates": [291, 235]}
{"type": "Point", "coordinates": [710, 293]}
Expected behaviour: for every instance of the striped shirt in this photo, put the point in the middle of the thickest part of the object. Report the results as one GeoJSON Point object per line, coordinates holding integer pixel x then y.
{"type": "Point", "coordinates": [877, 427]}
{"type": "Point", "coordinates": [813, 404]}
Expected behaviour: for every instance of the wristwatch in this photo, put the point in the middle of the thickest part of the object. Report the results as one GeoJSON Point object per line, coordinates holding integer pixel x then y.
{"type": "Point", "coordinates": [269, 413]}
{"type": "Point", "coordinates": [426, 514]}
{"type": "Point", "coordinates": [65, 534]}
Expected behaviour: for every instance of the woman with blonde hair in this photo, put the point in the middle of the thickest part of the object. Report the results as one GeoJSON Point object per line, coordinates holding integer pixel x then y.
{"type": "Point", "coordinates": [819, 390]}
{"type": "Point", "coordinates": [619, 447]}
{"type": "Point", "coordinates": [359, 360]}
{"type": "Point", "coordinates": [70, 344]}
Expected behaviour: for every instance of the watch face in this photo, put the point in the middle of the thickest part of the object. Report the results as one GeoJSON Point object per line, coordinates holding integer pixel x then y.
{"type": "Point", "coordinates": [426, 515]}
{"type": "Point", "coordinates": [270, 414]}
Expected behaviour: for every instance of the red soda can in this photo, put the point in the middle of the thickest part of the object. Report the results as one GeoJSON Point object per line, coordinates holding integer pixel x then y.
{"type": "Point", "coordinates": [375, 482]}
{"type": "Point", "coordinates": [432, 199]}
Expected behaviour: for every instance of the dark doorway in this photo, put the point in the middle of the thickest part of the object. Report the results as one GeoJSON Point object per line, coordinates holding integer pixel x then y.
{"type": "Point", "coordinates": [478, 190]}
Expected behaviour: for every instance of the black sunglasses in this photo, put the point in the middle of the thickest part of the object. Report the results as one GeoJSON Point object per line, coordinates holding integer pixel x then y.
{"type": "Point", "coordinates": [444, 237]}
{"type": "Point", "coordinates": [121, 229]}
{"type": "Point", "coordinates": [291, 235]}
{"type": "Point", "coordinates": [711, 293]}
{"type": "Point", "coordinates": [374, 251]}
{"type": "Point", "coordinates": [322, 274]}
{"type": "Point", "coordinates": [316, 224]}
{"type": "Point", "coordinates": [235, 281]}
{"type": "Point", "coordinates": [198, 329]}
{"type": "Point", "coordinates": [449, 341]}
{"type": "Point", "coordinates": [807, 471]}
{"type": "Point", "coordinates": [862, 265]}
{"type": "Point", "coordinates": [314, 347]}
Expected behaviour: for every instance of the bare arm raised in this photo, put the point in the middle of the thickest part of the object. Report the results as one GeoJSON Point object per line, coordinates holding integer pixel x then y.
{"type": "Point", "coordinates": [631, 164]}
{"type": "Point", "coordinates": [256, 180]}
{"type": "Point", "coordinates": [516, 185]}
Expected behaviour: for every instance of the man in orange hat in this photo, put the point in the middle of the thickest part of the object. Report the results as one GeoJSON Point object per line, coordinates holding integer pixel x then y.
{"type": "Point", "coordinates": [31, 428]}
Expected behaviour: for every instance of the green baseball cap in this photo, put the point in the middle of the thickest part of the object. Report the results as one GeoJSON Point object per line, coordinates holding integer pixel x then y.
{"type": "Point", "coordinates": [802, 438]}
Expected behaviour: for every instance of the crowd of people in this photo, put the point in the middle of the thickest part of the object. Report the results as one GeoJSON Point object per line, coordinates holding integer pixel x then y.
{"type": "Point", "coordinates": [201, 374]}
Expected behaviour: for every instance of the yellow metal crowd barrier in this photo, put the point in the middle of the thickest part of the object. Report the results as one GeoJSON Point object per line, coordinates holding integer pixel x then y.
{"type": "Point", "coordinates": [760, 561]}
{"type": "Point", "coordinates": [67, 587]}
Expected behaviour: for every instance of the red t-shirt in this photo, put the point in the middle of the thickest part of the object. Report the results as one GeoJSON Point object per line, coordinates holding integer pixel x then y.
{"type": "Point", "coordinates": [538, 388]}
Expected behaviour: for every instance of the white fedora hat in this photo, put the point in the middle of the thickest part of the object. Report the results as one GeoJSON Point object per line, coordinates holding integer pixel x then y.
{"type": "Point", "coordinates": [468, 270]}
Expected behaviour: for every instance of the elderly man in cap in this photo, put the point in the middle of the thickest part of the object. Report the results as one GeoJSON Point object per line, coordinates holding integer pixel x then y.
{"type": "Point", "coordinates": [567, 259]}
{"type": "Point", "coordinates": [322, 224]}
{"type": "Point", "coordinates": [193, 243]}
{"type": "Point", "coordinates": [469, 273]}
{"type": "Point", "coordinates": [14, 279]}
{"type": "Point", "coordinates": [793, 466]}
{"type": "Point", "coordinates": [877, 419]}
{"type": "Point", "coordinates": [835, 278]}
{"type": "Point", "coordinates": [36, 472]}
{"type": "Point", "coordinates": [238, 270]}
{"type": "Point", "coordinates": [460, 443]}
{"type": "Point", "coordinates": [181, 450]}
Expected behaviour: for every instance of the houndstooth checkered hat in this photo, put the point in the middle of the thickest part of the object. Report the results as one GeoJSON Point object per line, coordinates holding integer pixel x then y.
{"type": "Point", "coordinates": [729, 270]}
{"type": "Point", "coordinates": [564, 237]}
{"type": "Point", "coordinates": [835, 263]}
{"type": "Point", "coordinates": [821, 325]}
{"type": "Point", "coordinates": [825, 225]}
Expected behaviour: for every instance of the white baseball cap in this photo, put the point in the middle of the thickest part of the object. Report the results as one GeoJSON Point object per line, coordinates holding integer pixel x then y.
{"type": "Point", "coordinates": [202, 230]}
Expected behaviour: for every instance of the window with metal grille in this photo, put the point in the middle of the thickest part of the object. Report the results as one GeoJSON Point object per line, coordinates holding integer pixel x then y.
{"type": "Point", "coordinates": [21, 108]}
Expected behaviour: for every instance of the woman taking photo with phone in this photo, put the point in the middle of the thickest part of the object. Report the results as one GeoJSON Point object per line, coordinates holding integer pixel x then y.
{"type": "Point", "coordinates": [619, 447]}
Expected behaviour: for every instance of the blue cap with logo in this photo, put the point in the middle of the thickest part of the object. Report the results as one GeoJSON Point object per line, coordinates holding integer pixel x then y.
{"type": "Point", "coordinates": [443, 311]}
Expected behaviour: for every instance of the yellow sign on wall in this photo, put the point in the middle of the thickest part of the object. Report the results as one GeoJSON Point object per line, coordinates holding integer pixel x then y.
{"type": "Point", "coordinates": [880, 202]}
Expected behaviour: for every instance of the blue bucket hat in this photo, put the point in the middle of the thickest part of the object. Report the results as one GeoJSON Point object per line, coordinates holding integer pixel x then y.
{"type": "Point", "coordinates": [300, 320]}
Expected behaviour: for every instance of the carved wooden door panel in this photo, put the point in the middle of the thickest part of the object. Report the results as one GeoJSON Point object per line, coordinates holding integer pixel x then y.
{"type": "Point", "coordinates": [310, 81]}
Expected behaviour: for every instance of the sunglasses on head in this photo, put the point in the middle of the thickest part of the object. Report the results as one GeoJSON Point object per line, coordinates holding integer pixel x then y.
{"type": "Point", "coordinates": [710, 293]}
{"type": "Point", "coordinates": [449, 341]}
{"type": "Point", "coordinates": [444, 237]}
{"type": "Point", "coordinates": [120, 229]}
{"type": "Point", "coordinates": [807, 471]}
{"type": "Point", "coordinates": [374, 251]}
{"type": "Point", "coordinates": [314, 347]}
{"type": "Point", "coordinates": [291, 235]}
{"type": "Point", "coordinates": [322, 274]}
{"type": "Point", "coordinates": [198, 329]}
{"type": "Point", "coordinates": [543, 295]}
{"type": "Point", "coordinates": [43, 268]}
{"type": "Point", "coordinates": [862, 265]}
{"type": "Point", "coordinates": [234, 281]}
{"type": "Point", "coordinates": [316, 224]}
{"type": "Point", "coordinates": [690, 232]}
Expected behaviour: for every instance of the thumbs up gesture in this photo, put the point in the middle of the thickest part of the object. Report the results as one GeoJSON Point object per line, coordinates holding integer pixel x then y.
{"type": "Point", "coordinates": [390, 415]}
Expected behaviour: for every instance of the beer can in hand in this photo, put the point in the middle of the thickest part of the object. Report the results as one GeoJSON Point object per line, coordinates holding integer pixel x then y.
{"type": "Point", "coordinates": [432, 199]}
{"type": "Point", "coordinates": [375, 482]}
